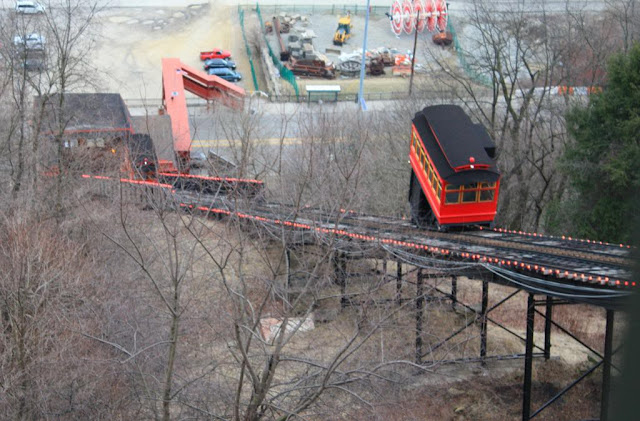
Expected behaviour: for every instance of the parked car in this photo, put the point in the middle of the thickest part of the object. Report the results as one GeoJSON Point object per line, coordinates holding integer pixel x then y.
{"type": "Point", "coordinates": [29, 7]}
{"type": "Point", "coordinates": [215, 53]}
{"type": "Point", "coordinates": [32, 41]}
{"type": "Point", "coordinates": [34, 65]}
{"type": "Point", "coordinates": [219, 62]}
{"type": "Point", "coordinates": [225, 73]}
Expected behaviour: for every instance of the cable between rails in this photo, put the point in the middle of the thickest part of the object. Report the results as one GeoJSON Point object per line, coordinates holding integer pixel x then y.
{"type": "Point", "coordinates": [598, 293]}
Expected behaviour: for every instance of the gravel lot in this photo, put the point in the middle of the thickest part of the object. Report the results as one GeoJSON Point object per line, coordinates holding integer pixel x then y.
{"type": "Point", "coordinates": [134, 40]}
{"type": "Point", "coordinates": [380, 35]}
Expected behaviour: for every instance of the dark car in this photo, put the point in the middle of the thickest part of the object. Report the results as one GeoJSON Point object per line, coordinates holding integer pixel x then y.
{"type": "Point", "coordinates": [225, 73]}
{"type": "Point", "coordinates": [219, 62]}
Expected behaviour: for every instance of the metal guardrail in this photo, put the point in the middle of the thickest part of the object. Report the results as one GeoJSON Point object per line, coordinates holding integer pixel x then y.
{"type": "Point", "coordinates": [355, 9]}
{"type": "Point", "coordinates": [153, 104]}
{"type": "Point", "coordinates": [345, 97]}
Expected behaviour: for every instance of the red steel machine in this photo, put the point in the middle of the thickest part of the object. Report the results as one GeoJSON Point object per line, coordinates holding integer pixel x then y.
{"type": "Point", "coordinates": [177, 78]}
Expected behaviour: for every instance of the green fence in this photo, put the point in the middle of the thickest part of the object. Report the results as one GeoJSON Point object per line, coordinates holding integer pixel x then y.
{"type": "Point", "coordinates": [355, 9]}
{"type": "Point", "coordinates": [482, 79]}
{"type": "Point", "coordinates": [285, 73]}
{"type": "Point", "coordinates": [246, 45]}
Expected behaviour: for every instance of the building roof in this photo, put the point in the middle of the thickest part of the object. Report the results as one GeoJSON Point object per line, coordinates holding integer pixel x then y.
{"type": "Point", "coordinates": [451, 139]}
{"type": "Point", "coordinates": [86, 113]}
{"type": "Point", "coordinates": [159, 128]}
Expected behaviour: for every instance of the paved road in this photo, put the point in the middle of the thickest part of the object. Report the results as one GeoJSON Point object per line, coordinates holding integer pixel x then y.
{"type": "Point", "coordinates": [272, 117]}
{"type": "Point", "coordinates": [219, 131]}
{"type": "Point", "coordinates": [215, 126]}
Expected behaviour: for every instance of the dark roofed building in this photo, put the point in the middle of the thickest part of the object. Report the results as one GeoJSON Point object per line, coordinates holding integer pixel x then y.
{"type": "Point", "coordinates": [87, 118]}
{"type": "Point", "coordinates": [95, 128]}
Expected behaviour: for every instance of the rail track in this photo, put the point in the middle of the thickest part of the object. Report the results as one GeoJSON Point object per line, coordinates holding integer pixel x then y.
{"type": "Point", "coordinates": [575, 262]}
{"type": "Point", "coordinates": [588, 251]}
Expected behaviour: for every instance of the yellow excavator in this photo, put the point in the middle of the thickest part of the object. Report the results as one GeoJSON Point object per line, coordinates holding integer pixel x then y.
{"type": "Point", "coordinates": [344, 30]}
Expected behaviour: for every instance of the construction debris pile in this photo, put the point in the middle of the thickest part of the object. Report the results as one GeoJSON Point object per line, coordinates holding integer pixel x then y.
{"type": "Point", "coordinates": [375, 62]}
{"type": "Point", "coordinates": [295, 41]}
{"type": "Point", "coordinates": [297, 51]}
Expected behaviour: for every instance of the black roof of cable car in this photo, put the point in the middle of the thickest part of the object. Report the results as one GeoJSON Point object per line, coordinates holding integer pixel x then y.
{"type": "Point", "coordinates": [459, 139]}
{"type": "Point", "coordinates": [141, 146]}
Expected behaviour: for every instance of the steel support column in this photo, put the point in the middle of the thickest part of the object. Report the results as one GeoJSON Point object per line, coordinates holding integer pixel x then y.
{"type": "Point", "coordinates": [528, 360]}
{"type": "Point", "coordinates": [454, 291]}
{"type": "Point", "coordinates": [548, 316]}
{"type": "Point", "coordinates": [419, 315]}
{"type": "Point", "coordinates": [340, 269]}
{"type": "Point", "coordinates": [575, 338]}
{"type": "Point", "coordinates": [287, 292]}
{"type": "Point", "coordinates": [565, 390]}
{"type": "Point", "coordinates": [474, 320]}
{"type": "Point", "coordinates": [483, 320]}
{"type": "Point", "coordinates": [384, 270]}
{"type": "Point", "coordinates": [398, 282]}
{"type": "Point", "coordinates": [606, 369]}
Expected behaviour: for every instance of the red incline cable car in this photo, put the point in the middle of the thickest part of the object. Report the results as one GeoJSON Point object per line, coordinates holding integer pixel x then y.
{"type": "Point", "coordinates": [454, 179]}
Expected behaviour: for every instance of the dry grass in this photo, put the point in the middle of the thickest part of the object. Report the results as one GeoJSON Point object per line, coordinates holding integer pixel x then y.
{"type": "Point", "coordinates": [386, 83]}
{"type": "Point", "coordinates": [471, 392]}
{"type": "Point", "coordinates": [489, 398]}
{"type": "Point", "coordinates": [444, 392]}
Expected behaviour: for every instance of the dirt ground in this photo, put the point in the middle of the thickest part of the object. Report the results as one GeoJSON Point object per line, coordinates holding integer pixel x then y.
{"type": "Point", "coordinates": [134, 40]}
{"type": "Point", "coordinates": [324, 23]}
{"type": "Point", "coordinates": [470, 391]}
{"type": "Point", "coordinates": [494, 391]}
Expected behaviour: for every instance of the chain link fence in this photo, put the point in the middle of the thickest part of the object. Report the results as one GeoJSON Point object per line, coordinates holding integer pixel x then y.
{"type": "Point", "coordinates": [248, 48]}
{"type": "Point", "coordinates": [482, 79]}
{"type": "Point", "coordinates": [355, 9]}
{"type": "Point", "coordinates": [285, 73]}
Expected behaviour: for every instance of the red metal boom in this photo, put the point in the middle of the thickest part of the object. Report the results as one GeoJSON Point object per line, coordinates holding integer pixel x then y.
{"type": "Point", "coordinates": [178, 77]}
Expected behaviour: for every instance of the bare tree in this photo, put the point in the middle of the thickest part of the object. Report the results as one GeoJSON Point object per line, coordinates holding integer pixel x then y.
{"type": "Point", "coordinates": [625, 15]}
{"type": "Point", "coordinates": [51, 66]}
{"type": "Point", "coordinates": [229, 302]}
{"type": "Point", "coordinates": [512, 59]}
{"type": "Point", "coordinates": [67, 26]}
{"type": "Point", "coordinates": [40, 286]}
{"type": "Point", "coordinates": [16, 83]}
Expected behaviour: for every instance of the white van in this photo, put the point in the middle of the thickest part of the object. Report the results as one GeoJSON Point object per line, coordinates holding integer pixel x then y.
{"type": "Point", "coordinates": [29, 7]}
